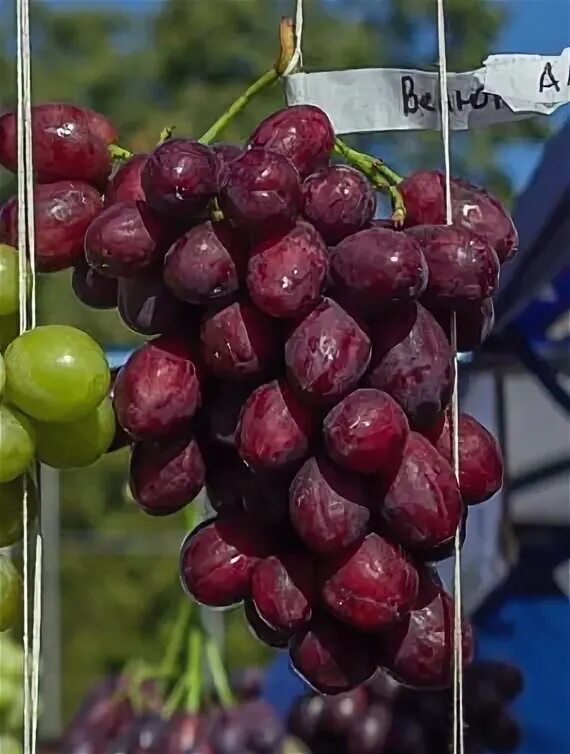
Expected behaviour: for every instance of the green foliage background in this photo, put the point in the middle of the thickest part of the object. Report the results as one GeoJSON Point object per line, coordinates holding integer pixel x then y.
{"type": "Point", "coordinates": [151, 64]}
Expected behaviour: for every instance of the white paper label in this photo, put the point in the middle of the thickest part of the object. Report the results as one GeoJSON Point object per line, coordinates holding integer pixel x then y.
{"type": "Point", "coordinates": [519, 79]}
{"type": "Point", "coordinates": [391, 99]}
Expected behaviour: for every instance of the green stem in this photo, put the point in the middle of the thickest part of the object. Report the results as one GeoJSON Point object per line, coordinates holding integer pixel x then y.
{"type": "Point", "coordinates": [366, 162]}
{"type": "Point", "coordinates": [379, 174]}
{"type": "Point", "coordinates": [268, 78]}
{"type": "Point", "coordinates": [166, 134]}
{"type": "Point", "coordinates": [219, 675]}
{"type": "Point", "coordinates": [168, 667]}
{"type": "Point", "coordinates": [174, 701]}
{"type": "Point", "coordinates": [194, 677]}
{"type": "Point", "coordinates": [119, 153]}
{"type": "Point", "coordinates": [286, 51]}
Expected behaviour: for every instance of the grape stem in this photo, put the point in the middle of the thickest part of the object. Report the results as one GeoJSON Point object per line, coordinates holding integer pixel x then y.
{"type": "Point", "coordinates": [119, 153]}
{"type": "Point", "coordinates": [379, 174]}
{"type": "Point", "coordinates": [166, 134]}
{"type": "Point", "coordinates": [194, 676]}
{"type": "Point", "coordinates": [287, 47]}
{"type": "Point", "coordinates": [176, 645]}
{"type": "Point", "coordinates": [219, 675]}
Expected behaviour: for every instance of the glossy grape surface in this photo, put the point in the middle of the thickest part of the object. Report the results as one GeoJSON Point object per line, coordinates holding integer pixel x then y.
{"type": "Point", "coordinates": [302, 133]}
{"type": "Point", "coordinates": [70, 143]}
{"type": "Point", "coordinates": [63, 211]}
{"type": "Point", "coordinates": [56, 373]}
{"type": "Point", "coordinates": [77, 443]}
{"type": "Point", "coordinates": [10, 593]}
{"type": "Point", "coordinates": [17, 443]}
{"type": "Point", "coordinates": [12, 510]}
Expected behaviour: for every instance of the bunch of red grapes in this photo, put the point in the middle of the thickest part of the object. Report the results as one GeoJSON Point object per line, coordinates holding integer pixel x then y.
{"type": "Point", "coordinates": [107, 722]}
{"type": "Point", "coordinates": [381, 717]}
{"type": "Point", "coordinates": [378, 717]}
{"type": "Point", "coordinates": [302, 371]}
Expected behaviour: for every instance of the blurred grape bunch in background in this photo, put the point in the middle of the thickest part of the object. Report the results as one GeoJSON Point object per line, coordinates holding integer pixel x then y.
{"type": "Point", "coordinates": [147, 65]}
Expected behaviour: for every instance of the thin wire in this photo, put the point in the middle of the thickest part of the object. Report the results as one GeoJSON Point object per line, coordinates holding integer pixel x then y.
{"type": "Point", "coordinates": [458, 732]}
{"type": "Point", "coordinates": [297, 59]}
{"type": "Point", "coordinates": [23, 314]}
{"type": "Point", "coordinates": [36, 643]}
{"type": "Point", "coordinates": [27, 317]}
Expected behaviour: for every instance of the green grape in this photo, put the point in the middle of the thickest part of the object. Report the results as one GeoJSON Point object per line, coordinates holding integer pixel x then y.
{"type": "Point", "coordinates": [9, 275]}
{"type": "Point", "coordinates": [17, 443]}
{"type": "Point", "coordinates": [11, 659]}
{"type": "Point", "coordinates": [8, 691]}
{"type": "Point", "coordinates": [12, 511]}
{"type": "Point", "coordinates": [9, 330]}
{"type": "Point", "coordinates": [2, 374]}
{"type": "Point", "coordinates": [9, 745]}
{"type": "Point", "coordinates": [10, 594]}
{"type": "Point", "coordinates": [56, 373]}
{"type": "Point", "coordinates": [78, 443]}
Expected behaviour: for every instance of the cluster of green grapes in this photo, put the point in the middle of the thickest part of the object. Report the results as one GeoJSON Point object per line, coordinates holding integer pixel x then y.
{"type": "Point", "coordinates": [11, 694]}
{"type": "Point", "coordinates": [54, 407]}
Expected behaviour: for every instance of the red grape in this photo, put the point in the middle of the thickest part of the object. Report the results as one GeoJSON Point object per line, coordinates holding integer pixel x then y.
{"type": "Point", "coordinates": [101, 126]}
{"type": "Point", "coordinates": [125, 184]}
{"type": "Point", "coordinates": [180, 177]}
{"type": "Point", "coordinates": [262, 631]}
{"type": "Point", "coordinates": [165, 476]}
{"type": "Point", "coordinates": [370, 586]}
{"type": "Point", "coordinates": [283, 590]}
{"type": "Point", "coordinates": [446, 550]}
{"type": "Point", "coordinates": [419, 650]}
{"type": "Point", "coordinates": [274, 428]}
{"type": "Point", "coordinates": [306, 716]}
{"type": "Point", "coordinates": [327, 354]}
{"type": "Point", "coordinates": [63, 211]}
{"type": "Point", "coordinates": [480, 459]}
{"type": "Point", "coordinates": [125, 239]}
{"type": "Point", "coordinates": [366, 432]}
{"type": "Point", "coordinates": [260, 193]}
{"type": "Point", "coordinates": [474, 322]}
{"type": "Point", "coordinates": [338, 201]}
{"type": "Point", "coordinates": [414, 367]}
{"type": "Point", "coordinates": [463, 268]}
{"type": "Point", "coordinates": [376, 268]}
{"type": "Point", "coordinates": [266, 498]}
{"type": "Point", "coordinates": [473, 208]}
{"type": "Point", "coordinates": [225, 479]}
{"type": "Point", "coordinates": [237, 342]}
{"type": "Point", "coordinates": [423, 507]}
{"type": "Point", "coordinates": [218, 559]}
{"type": "Point", "coordinates": [331, 657]}
{"type": "Point", "coordinates": [157, 392]}
{"type": "Point", "coordinates": [369, 736]}
{"type": "Point", "coordinates": [302, 133]}
{"type": "Point", "coordinates": [67, 143]}
{"type": "Point", "coordinates": [344, 711]}
{"type": "Point", "coordinates": [247, 683]}
{"type": "Point", "coordinates": [181, 735]}
{"type": "Point", "coordinates": [506, 678]}
{"type": "Point", "coordinates": [93, 289]}
{"type": "Point", "coordinates": [227, 152]}
{"type": "Point", "coordinates": [328, 507]}
{"type": "Point", "coordinates": [224, 403]}
{"type": "Point", "coordinates": [285, 276]}
{"type": "Point", "coordinates": [147, 306]}
{"type": "Point", "coordinates": [206, 263]}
